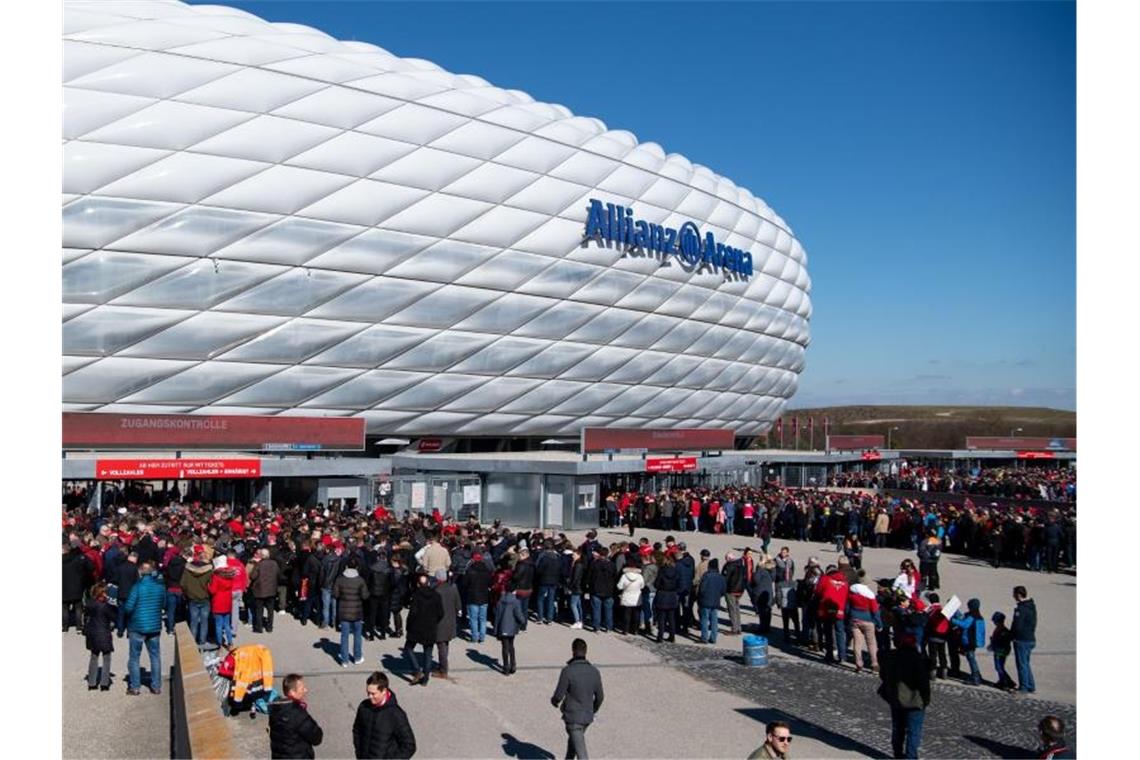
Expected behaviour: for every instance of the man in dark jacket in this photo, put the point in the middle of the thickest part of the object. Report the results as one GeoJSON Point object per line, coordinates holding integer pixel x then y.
{"type": "Point", "coordinates": [263, 584]}
{"type": "Point", "coordinates": [77, 569]}
{"type": "Point", "coordinates": [350, 591]}
{"type": "Point", "coordinates": [477, 591]}
{"type": "Point", "coordinates": [709, 592]}
{"type": "Point", "coordinates": [548, 574]}
{"type": "Point", "coordinates": [579, 694]}
{"type": "Point", "coordinates": [734, 580]}
{"type": "Point", "coordinates": [446, 631]}
{"type": "Point", "coordinates": [195, 587]}
{"type": "Point", "coordinates": [332, 565]}
{"type": "Point", "coordinates": [423, 626]}
{"type": "Point", "coordinates": [379, 590]}
{"type": "Point", "coordinates": [906, 688]}
{"type": "Point", "coordinates": [126, 576]}
{"type": "Point", "coordinates": [1023, 631]}
{"type": "Point", "coordinates": [292, 731]}
{"type": "Point", "coordinates": [309, 583]}
{"type": "Point", "coordinates": [172, 575]}
{"type": "Point", "coordinates": [143, 609]}
{"type": "Point", "coordinates": [603, 582]}
{"type": "Point", "coordinates": [686, 570]}
{"type": "Point", "coordinates": [381, 728]}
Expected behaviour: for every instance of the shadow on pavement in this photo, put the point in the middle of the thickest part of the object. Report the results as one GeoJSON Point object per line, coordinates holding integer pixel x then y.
{"type": "Point", "coordinates": [397, 666]}
{"type": "Point", "coordinates": [486, 660]}
{"type": "Point", "coordinates": [330, 647]}
{"type": "Point", "coordinates": [512, 747]}
{"type": "Point", "coordinates": [802, 727]}
{"type": "Point", "coordinates": [1001, 749]}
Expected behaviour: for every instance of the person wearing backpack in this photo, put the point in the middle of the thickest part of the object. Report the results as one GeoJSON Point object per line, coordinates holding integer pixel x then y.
{"type": "Point", "coordinates": [973, 635]}
{"type": "Point", "coordinates": [906, 688]}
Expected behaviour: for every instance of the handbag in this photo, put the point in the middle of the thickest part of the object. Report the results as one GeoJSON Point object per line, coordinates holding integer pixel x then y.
{"type": "Point", "coordinates": [908, 698]}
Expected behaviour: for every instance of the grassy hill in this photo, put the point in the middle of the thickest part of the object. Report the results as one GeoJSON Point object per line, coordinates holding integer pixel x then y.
{"type": "Point", "coordinates": [931, 427]}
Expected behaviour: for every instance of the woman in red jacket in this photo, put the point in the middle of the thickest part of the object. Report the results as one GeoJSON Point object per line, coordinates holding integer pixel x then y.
{"type": "Point", "coordinates": [222, 600]}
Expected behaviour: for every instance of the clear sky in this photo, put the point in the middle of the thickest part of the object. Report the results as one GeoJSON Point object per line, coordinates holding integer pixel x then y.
{"type": "Point", "coordinates": [924, 154]}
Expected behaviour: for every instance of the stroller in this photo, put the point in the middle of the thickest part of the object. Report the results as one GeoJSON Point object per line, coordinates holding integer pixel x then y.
{"type": "Point", "coordinates": [242, 678]}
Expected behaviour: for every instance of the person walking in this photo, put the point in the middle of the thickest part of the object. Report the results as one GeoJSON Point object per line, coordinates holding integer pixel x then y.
{"type": "Point", "coordinates": [906, 688]}
{"type": "Point", "coordinates": [579, 695]}
{"type": "Point", "coordinates": [1023, 631]}
{"type": "Point", "coordinates": [350, 591]}
{"type": "Point", "coordinates": [381, 728]}
{"type": "Point", "coordinates": [264, 579]}
{"type": "Point", "coordinates": [423, 625]}
{"type": "Point", "coordinates": [477, 590]}
{"type": "Point", "coordinates": [1001, 644]}
{"type": "Point", "coordinates": [195, 584]}
{"type": "Point", "coordinates": [863, 614]}
{"type": "Point", "coordinates": [509, 621]}
{"type": "Point", "coordinates": [143, 609]}
{"type": "Point", "coordinates": [452, 604]}
{"type": "Point", "coordinates": [99, 625]}
{"type": "Point", "coordinates": [833, 593]}
{"type": "Point", "coordinates": [777, 742]}
{"type": "Point", "coordinates": [293, 733]}
{"type": "Point", "coordinates": [709, 593]}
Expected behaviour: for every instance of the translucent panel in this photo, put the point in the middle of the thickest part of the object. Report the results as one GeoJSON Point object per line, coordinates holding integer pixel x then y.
{"type": "Point", "coordinates": [476, 138]}
{"type": "Point", "coordinates": [554, 360]}
{"type": "Point", "coordinates": [561, 279]}
{"type": "Point", "coordinates": [682, 336]}
{"type": "Point", "coordinates": [501, 226]}
{"type": "Point", "coordinates": [646, 332]}
{"type": "Point", "coordinates": [492, 394]}
{"type": "Point", "coordinates": [437, 215]}
{"type": "Point", "coordinates": [353, 153]}
{"type": "Point", "coordinates": [147, 34]}
{"type": "Point", "coordinates": [493, 183]}
{"type": "Point", "coordinates": [535, 154]}
{"type": "Point", "coordinates": [505, 271]}
{"type": "Point", "coordinates": [711, 342]}
{"type": "Point", "coordinates": [200, 284]}
{"type": "Point", "coordinates": [202, 384]}
{"type": "Point", "coordinates": [104, 330]}
{"type": "Point", "coordinates": [294, 292]}
{"type": "Point", "coordinates": [599, 364]}
{"type": "Point", "coordinates": [88, 166]}
{"type": "Point", "coordinates": [545, 397]}
{"type": "Point", "coordinates": [323, 67]}
{"type": "Point", "coordinates": [279, 190]}
{"type": "Point", "coordinates": [244, 51]}
{"type": "Point", "coordinates": [82, 58]}
{"type": "Point", "coordinates": [501, 356]}
{"type": "Point", "coordinates": [412, 123]}
{"type": "Point", "coordinates": [555, 237]}
{"type": "Point", "coordinates": [585, 169]}
{"type": "Point", "coordinates": [371, 252]}
{"type": "Point", "coordinates": [372, 347]}
{"type": "Point", "coordinates": [460, 101]}
{"type": "Point", "coordinates": [426, 168]}
{"type": "Point", "coordinates": [340, 107]}
{"type": "Point", "coordinates": [110, 379]}
{"type": "Point", "coordinates": [561, 320]}
{"type": "Point", "coordinates": [204, 336]}
{"type": "Point", "coordinates": [183, 178]}
{"type": "Point", "coordinates": [251, 89]}
{"type": "Point", "coordinates": [650, 294]}
{"type": "Point", "coordinates": [267, 138]}
{"type": "Point", "coordinates": [154, 74]}
{"type": "Point", "coordinates": [374, 300]}
{"type": "Point", "coordinates": [102, 275]}
{"type": "Point", "coordinates": [548, 195]}
{"type": "Point", "coordinates": [434, 392]}
{"type": "Point", "coordinates": [684, 301]}
{"type": "Point", "coordinates": [71, 310]}
{"type": "Point", "coordinates": [292, 386]}
{"type": "Point", "coordinates": [627, 181]}
{"type": "Point", "coordinates": [735, 347]}
{"type": "Point", "coordinates": [492, 423]}
{"type": "Point", "coordinates": [506, 314]}
{"type": "Point", "coordinates": [293, 341]}
{"type": "Point", "coordinates": [625, 402]}
{"type": "Point", "coordinates": [398, 85]}
{"type": "Point", "coordinates": [72, 363]}
{"type": "Point", "coordinates": [592, 396]}
{"type": "Point", "coordinates": [662, 402]}
{"type": "Point", "coordinates": [195, 231]}
{"type": "Point", "coordinates": [426, 424]}
{"type": "Point", "coordinates": [444, 307]}
{"type": "Point", "coordinates": [94, 222]}
{"type": "Point", "coordinates": [675, 371]}
{"type": "Point", "coordinates": [292, 241]}
{"type": "Point", "coordinates": [715, 308]}
{"type": "Point", "coordinates": [444, 261]}
{"type": "Point", "coordinates": [71, 254]}
{"type": "Point", "coordinates": [606, 326]}
{"type": "Point", "coordinates": [367, 389]}
{"type": "Point", "coordinates": [696, 404]}
{"type": "Point", "coordinates": [364, 202]}
{"type": "Point", "coordinates": [440, 352]}
{"type": "Point", "coordinates": [86, 110]}
{"type": "Point", "coordinates": [641, 366]}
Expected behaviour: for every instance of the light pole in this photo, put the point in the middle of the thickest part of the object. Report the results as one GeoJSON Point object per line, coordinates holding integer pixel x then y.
{"type": "Point", "coordinates": [1015, 431]}
{"type": "Point", "coordinates": [889, 431]}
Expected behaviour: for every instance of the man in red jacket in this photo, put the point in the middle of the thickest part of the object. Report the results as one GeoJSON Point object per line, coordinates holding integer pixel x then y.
{"type": "Point", "coordinates": [832, 591]}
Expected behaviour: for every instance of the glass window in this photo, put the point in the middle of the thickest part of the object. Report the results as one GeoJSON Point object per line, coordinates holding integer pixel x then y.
{"type": "Point", "coordinates": [293, 341]}
{"type": "Point", "coordinates": [202, 384]}
{"type": "Point", "coordinates": [290, 387]}
{"type": "Point", "coordinates": [102, 275]}
{"type": "Point", "coordinates": [373, 346]}
{"type": "Point", "coordinates": [434, 392]}
{"type": "Point", "coordinates": [107, 329]}
{"type": "Point", "coordinates": [444, 307]}
{"type": "Point", "coordinates": [94, 222]}
{"type": "Point", "coordinates": [441, 351]}
{"type": "Point", "coordinates": [110, 379]}
{"type": "Point", "coordinates": [200, 284]}
{"type": "Point", "coordinates": [204, 336]}
{"type": "Point", "coordinates": [367, 389]}
{"type": "Point", "coordinates": [501, 356]}
{"type": "Point", "coordinates": [293, 292]}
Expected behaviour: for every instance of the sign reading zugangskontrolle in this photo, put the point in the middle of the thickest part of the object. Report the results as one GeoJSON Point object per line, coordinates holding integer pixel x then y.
{"type": "Point", "coordinates": [98, 430]}
{"type": "Point", "coordinates": [176, 469]}
{"type": "Point", "coordinates": [671, 464]}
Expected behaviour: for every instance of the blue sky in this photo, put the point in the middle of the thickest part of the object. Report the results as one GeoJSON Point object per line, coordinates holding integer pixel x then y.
{"type": "Point", "coordinates": [924, 154]}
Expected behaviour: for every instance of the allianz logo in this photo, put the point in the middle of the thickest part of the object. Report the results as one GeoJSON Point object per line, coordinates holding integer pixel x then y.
{"type": "Point", "coordinates": [616, 224]}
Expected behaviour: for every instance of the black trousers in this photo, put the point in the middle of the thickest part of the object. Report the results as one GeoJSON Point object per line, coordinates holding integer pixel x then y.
{"type": "Point", "coordinates": [260, 618]}
{"type": "Point", "coordinates": [376, 616]}
{"type": "Point", "coordinates": [936, 652]}
{"type": "Point", "coordinates": [508, 656]}
{"type": "Point", "coordinates": [666, 619]}
{"type": "Point", "coordinates": [789, 615]}
{"type": "Point", "coordinates": [77, 606]}
{"type": "Point", "coordinates": [629, 618]}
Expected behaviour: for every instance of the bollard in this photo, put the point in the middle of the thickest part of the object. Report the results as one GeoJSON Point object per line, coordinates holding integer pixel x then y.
{"type": "Point", "coordinates": [755, 651]}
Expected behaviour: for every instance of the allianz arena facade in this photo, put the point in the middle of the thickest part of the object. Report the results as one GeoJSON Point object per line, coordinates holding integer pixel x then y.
{"type": "Point", "coordinates": [261, 219]}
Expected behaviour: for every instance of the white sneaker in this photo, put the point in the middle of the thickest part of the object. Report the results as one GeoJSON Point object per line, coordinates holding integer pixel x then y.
{"type": "Point", "coordinates": [344, 663]}
{"type": "Point", "coordinates": [577, 626]}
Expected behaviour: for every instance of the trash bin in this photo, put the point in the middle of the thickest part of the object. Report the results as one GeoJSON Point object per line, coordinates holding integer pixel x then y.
{"type": "Point", "coordinates": [755, 651]}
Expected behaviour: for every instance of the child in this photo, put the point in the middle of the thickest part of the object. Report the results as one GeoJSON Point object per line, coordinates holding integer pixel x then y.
{"type": "Point", "coordinates": [973, 633]}
{"type": "Point", "coordinates": [1000, 646]}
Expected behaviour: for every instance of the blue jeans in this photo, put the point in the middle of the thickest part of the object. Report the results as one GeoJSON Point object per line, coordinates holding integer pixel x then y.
{"type": "Point", "coordinates": [173, 601]}
{"type": "Point", "coordinates": [647, 596]}
{"type": "Point", "coordinates": [425, 670]}
{"type": "Point", "coordinates": [235, 612]}
{"type": "Point", "coordinates": [477, 621]}
{"type": "Point", "coordinates": [975, 672]}
{"type": "Point", "coordinates": [708, 624]}
{"type": "Point", "coordinates": [199, 620]}
{"type": "Point", "coordinates": [153, 651]}
{"type": "Point", "coordinates": [328, 607]}
{"type": "Point", "coordinates": [1002, 673]}
{"type": "Point", "coordinates": [1021, 652]}
{"type": "Point", "coordinates": [546, 603]}
{"type": "Point", "coordinates": [906, 731]}
{"type": "Point", "coordinates": [576, 607]}
{"type": "Point", "coordinates": [122, 616]}
{"type": "Point", "coordinates": [729, 524]}
{"type": "Point", "coordinates": [596, 606]}
{"type": "Point", "coordinates": [222, 630]}
{"type": "Point", "coordinates": [357, 629]}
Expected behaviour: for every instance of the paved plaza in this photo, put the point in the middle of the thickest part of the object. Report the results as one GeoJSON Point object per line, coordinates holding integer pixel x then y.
{"type": "Point", "coordinates": [679, 700]}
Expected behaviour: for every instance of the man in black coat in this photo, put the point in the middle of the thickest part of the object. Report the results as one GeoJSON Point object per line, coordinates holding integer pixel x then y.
{"type": "Point", "coordinates": [423, 624]}
{"type": "Point", "coordinates": [292, 731]}
{"type": "Point", "coordinates": [381, 728]}
{"type": "Point", "coordinates": [548, 574]}
{"type": "Point", "coordinates": [906, 688]}
{"type": "Point", "coordinates": [579, 694]}
{"type": "Point", "coordinates": [602, 582]}
{"type": "Point", "coordinates": [380, 589]}
{"type": "Point", "coordinates": [76, 571]}
{"type": "Point", "coordinates": [126, 576]}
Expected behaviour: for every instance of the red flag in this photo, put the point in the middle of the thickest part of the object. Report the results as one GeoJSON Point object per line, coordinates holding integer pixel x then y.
{"type": "Point", "coordinates": [780, 431]}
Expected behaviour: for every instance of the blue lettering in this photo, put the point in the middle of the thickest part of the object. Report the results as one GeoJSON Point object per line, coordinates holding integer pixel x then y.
{"type": "Point", "coordinates": [597, 225]}
{"type": "Point", "coordinates": [641, 236]}
{"type": "Point", "coordinates": [670, 240]}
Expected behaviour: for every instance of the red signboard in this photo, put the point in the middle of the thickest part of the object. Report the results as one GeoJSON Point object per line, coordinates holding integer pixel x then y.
{"type": "Point", "coordinates": [176, 469]}
{"type": "Point", "coordinates": [92, 430]}
{"type": "Point", "coordinates": [430, 444]}
{"type": "Point", "coordinates": [872, 456]}
{"type": "Point", "coordinates": [1036, 455]}
{"type": "Point", "coordinates": [852, 442]}
{"type": "Point", "coordinates": [672, 464]}
{"type": "Point", "coordinates": [601, 439]}
{"type": "Point", "coordinates": [1021, 444]}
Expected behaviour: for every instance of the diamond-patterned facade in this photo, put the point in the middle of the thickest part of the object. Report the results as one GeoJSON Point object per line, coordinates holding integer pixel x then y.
{"type": "Point", "coordinates": [261, 219]}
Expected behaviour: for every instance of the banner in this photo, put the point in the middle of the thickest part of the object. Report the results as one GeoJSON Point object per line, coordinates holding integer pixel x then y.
{"type": "Point", "coordinates": [176, 469]}
{"type": "Point", "coordinates": [95, 430]}
{"type": "Point", "coordinates": [1023, 444]}
{"type": "Point", "coordinates": [853, 442]}
{"type": "Point", "coordinates": [871, 456]}
{"type": "Point", "coordinates": [1036, 455]}
{"type": "Point", "coordinates": [672, 464]}
{"type": "Point", "coordinates": [595, 440]}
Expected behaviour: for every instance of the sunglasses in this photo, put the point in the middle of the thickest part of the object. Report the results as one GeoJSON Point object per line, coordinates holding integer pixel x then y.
{"type": "Point", "coordinates": [783, 738]}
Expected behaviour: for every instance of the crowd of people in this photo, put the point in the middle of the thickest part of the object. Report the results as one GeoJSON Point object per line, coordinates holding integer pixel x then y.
{"type": "Point", "coordinates": [428, 579]}
{"type": "Point", "coordinates": [1046, 484]}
